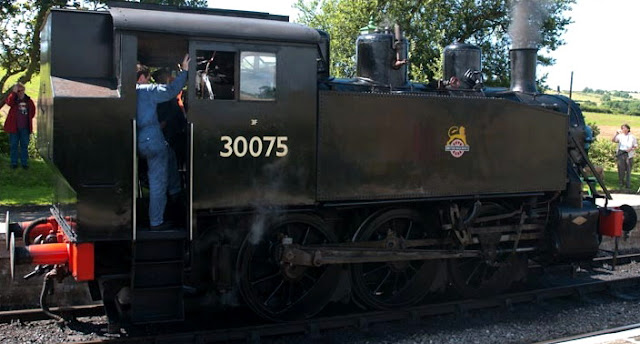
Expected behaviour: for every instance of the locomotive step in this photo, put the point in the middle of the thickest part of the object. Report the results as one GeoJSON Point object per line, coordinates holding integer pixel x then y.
{"type": "Point", "coordinates": [160, 274]}
{"type": "Point", "coordinates": [157, 305]}
{"type": "Point", "coordinates": [144, 234]}
{"type": "Point", "coordinates": [157, 276]}
{"type": "Point", "coordinates": [159, 250]}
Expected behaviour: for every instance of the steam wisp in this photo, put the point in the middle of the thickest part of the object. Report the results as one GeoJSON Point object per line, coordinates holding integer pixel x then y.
{"type": "Point", "coordinates": [527, 17]}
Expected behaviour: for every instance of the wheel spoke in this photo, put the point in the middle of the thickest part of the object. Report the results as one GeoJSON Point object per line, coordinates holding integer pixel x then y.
{"type": "Point", "coordinates": [306, 234]}
{"type": "Point", "coordinates": [290, 294]}
{"type": "Point", "coordinates": [473, 272]}
{"type": "Point", "coordinates": [264, 279]}
{"type": "Point", "coordinates": [381, 283]}
{"type": "Point", "coordinates": [395, 283]}
{"type": "Point", "coordinates": [274, 292]}
{"type": "Point", "coordinates": [308, 276]}
{"type": "Point", "coordinates": [409, 230]}
{"type": "Point", "coordinates": [383, 266]}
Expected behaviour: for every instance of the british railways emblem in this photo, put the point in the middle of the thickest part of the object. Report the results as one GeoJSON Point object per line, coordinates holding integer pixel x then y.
{"type": "Point", "coordinates": [457, 143]}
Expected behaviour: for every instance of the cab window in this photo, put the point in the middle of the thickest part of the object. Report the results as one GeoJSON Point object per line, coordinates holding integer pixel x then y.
{"type": "Point", "coordinates": [257, 76]}
{"type": "Point", "coordinates": [215, 74]}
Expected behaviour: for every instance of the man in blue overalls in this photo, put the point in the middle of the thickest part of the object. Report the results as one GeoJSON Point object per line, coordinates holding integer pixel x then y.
{"type": "Point", "coordinates": [151, 142]}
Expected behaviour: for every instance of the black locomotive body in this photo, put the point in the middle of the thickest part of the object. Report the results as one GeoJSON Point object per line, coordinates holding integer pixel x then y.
{"type": "Point", "coordinates": [302, 189]}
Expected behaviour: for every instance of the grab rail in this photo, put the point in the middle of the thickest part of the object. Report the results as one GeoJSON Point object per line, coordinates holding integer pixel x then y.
{"type": "Point", "coordinates": [134, 213]}
{"type": "Point", "coordinates": [191, 181]}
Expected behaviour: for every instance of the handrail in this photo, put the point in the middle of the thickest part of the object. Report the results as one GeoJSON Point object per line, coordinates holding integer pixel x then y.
{"type": "Point", "coordinates": [134, 186]}
{"type": "Point", "coordinates": [191, 181]}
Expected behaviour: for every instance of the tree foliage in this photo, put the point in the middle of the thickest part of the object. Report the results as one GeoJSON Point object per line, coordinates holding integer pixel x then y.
{"type": "Point", "coordinates": [430, 25]}
{"type": "Point", "coordinates": [20, 38]}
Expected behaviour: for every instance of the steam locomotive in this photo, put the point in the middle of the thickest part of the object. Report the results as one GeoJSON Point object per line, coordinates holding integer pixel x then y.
{"type": "Point", "coordinates": [301, 189]}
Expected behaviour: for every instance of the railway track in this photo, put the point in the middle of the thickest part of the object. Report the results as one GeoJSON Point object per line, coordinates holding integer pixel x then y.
{"type": "Point", "coordinates": [359, 320]}
{"type": "Point", "coordinates": [364, 320]}
{"type": "Point", "coordinates": [65, 312]}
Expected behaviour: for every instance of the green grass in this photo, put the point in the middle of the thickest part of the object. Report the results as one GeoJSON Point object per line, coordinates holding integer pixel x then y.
{"type": "Point", "coordinates": [611, 181]}
{"type": "Point", "coordinates": [21, 187]}
{"type": "Point", "coordinates": [607, 119]}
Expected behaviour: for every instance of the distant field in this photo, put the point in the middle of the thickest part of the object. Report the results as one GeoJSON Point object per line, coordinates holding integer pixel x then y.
{"type": "Point", "coordinates": [596, 98]}
{"type": "Point", "coordinates": [581, 97]}
{"type": "Point", "coordinates": [607, 119]}
{"type": "Point", "coordinates": [609, 123]}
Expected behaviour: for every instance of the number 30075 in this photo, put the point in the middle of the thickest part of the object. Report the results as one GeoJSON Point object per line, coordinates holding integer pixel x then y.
{"type": "Point", "coordinates": [256, 146]}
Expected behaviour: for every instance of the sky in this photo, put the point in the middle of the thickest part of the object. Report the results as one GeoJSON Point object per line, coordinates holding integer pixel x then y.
{"type": "Point", "coordinates": [602, 48]}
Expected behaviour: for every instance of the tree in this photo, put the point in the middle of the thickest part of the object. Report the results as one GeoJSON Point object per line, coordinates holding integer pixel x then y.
{"type": "Point", "coordinates": [430, 25]}
{"type": "Point", "coordinates": [19, 46]}
{"type": "Point", "coordinates": [20, 22]}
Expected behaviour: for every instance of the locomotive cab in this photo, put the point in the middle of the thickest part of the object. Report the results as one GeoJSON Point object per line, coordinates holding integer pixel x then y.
{"type": "Point", "coordinates": [251, 89]}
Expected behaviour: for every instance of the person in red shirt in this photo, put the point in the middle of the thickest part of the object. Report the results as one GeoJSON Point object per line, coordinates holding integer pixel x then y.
{"type": "Point", "coordinates": [19, 124]}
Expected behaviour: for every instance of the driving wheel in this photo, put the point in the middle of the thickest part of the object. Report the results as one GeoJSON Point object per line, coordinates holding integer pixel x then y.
{"type": "Point", "coordinates": [283, 292]}
{"type": "Point", "coordinates": [387, 285]}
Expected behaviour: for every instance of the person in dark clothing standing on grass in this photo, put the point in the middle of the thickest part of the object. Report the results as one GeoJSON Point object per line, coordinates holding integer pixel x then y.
{"type": "Point", "coordinates": [151, 143]}
{"type": "Point", "coordinates": [19, 125]}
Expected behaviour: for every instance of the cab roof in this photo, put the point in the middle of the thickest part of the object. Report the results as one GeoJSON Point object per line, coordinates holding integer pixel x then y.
{"type": "Point", "coordinates": [195, 22]}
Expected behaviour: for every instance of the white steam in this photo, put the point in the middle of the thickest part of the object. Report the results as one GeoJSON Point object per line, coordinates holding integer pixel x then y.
{"type": "Point", "coordinates": [267, 208]}
{"type": "Point", "coordinates": [527, 17]}
{"type": "Point", "coordinates": [258, 227]}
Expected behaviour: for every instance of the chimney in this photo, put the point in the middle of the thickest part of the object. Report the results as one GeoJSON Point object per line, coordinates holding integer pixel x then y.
{"type": "Point", "coordinates": [523, 70]}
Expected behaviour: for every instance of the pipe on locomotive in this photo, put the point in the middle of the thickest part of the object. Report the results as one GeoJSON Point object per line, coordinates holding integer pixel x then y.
{"type": "Point", "coordinates": [523, 69]}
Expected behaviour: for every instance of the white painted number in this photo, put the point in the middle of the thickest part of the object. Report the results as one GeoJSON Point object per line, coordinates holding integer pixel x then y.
{"type": "Point", "coordinates": [282, 148]}
{"type": "Point", "coordinates": [271, 140]}
{"type": "Point", "coordinates": [239, 146]}
{"type": "Point", "coordinates": [255, 141]}
{"type": "Point", "coordinates": [227, 140]}
{"type": "Point", "coordinates": [240, 152]}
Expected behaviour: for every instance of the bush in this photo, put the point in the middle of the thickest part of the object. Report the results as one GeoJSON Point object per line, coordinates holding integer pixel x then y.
{"type": "Point", "coordinates": [621, 94]}
{"type": "Point", "coordinates": [595, 129]}
{"type": "Point", "coordinates": [4, 142]}
{"type": "Point", "coordinates": [593, 108]}
{"type": "Point", "coordinates": [603, 153]}
{"type": "Point", "coordinates": [33, 150]}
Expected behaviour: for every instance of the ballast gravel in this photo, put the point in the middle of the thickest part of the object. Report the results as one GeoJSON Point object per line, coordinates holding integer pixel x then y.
{"type": "Point", "coordinates": [522, 323]}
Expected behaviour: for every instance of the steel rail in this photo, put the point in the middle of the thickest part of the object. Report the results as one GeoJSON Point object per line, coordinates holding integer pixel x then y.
{"type": "Point", "coordinates": [37, 314]}
{"type": "Point", "coordinates": [593, 334]}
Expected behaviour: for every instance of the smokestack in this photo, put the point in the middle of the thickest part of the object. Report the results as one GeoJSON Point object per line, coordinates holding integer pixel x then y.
{"type": "Point", "coordinates": [528, 17]}
{"type": "Point", "coordinates": [523, 69]}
